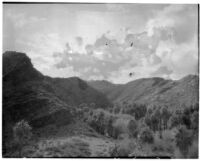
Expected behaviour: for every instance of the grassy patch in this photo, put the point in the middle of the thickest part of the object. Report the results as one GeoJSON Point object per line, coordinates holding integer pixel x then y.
{"type": "Point", "coordinates": [59, 148]}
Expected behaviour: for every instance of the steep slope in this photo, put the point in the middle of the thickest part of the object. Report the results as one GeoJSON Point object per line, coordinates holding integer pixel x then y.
{"type": "Point", "coordinates": [153, 91]}
{"type": "Point", "coordinates": [26, 95]}
{"type": "Point", "coordinates": [107, 88]}
{"type": "Point", "coordinates": [41, 100]}
{"type": "Point", "coordinates": [75, 91]}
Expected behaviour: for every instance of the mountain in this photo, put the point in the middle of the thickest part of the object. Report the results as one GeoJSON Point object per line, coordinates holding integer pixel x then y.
{"type": "Point", "coordinates": [105, 87]}
{"type": "Point", "coordinates": [41, 100]}
{"type": "Point", "coordinates": [153, 91]}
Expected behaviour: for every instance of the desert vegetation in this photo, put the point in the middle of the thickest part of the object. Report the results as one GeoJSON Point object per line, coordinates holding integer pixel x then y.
{"type": "Point", "coordinates": [131, 131]}
{"type": "Point", "coordinates": [157, 130]}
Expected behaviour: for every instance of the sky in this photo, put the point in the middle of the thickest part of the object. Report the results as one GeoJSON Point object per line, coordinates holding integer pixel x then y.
{"type": "Point", "coordinates": [114, 42]}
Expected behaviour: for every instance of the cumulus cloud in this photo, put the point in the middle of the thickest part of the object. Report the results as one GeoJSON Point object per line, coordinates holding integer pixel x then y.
{"type": "Point", "coordinates": [179, 20]}
{"type": "Point", "coordinates": [105, 55]}
{"type": "Point", "coordinates": [175, 28]}
{"type": "Point", "coordinates": [109, 42]}
{"type": "Point", "coordinates": [155, 52]}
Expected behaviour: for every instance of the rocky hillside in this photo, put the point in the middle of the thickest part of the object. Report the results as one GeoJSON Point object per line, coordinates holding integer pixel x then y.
{"type": "Point", "coordinates": [29, 95]}
{"type": "Point", "coordinates": [155, 90]}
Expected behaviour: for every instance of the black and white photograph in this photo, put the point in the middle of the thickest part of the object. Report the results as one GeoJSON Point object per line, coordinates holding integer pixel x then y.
{"type": "Point", "coordinates": [100, 80]}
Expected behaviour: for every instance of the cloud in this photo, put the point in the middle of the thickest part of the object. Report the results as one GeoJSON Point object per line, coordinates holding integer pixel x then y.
{"type": "Point", "coordinates": [156, 55]}
{"type": "Point", "coordinates": [79, 40]}
{"type": "Point", "coordinates": [106, 41]}
{"type": "Point", "coordinates": [20, 19]}
{"type": "Point", "coordinates": [162, 71]}
{"type": "Point", "coordinates": [106, 55]}
{"type": "Point", "coordinates": [175, 30]}
{"type": "Point", "coordinates": [179, 20]}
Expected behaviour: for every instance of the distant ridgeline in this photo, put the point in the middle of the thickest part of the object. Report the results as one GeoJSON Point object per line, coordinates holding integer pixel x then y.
{"type": "Point", "coordinates": [175, 94]}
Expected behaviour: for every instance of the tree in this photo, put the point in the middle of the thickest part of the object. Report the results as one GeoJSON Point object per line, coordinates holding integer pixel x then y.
{"type": "Point", "coordinates": [100, 122]}
{"type": "Point", "coordinates": [186, 117]}
{"type": "Point", "coordinates": [22, 134]}
{"type": "Point", "coordinates": [165, 114]}
{"type": "Point", "coordinates": [92, 105]}
{"type": "Point", "coordinates": [195, 120]}
{"type": "Point", "coordinates": [148, 121]}
{"type": "Point", "coordinates": [175, 120]}
{"type": "Point", "coordinates": [110, 126]}
{"type": "Point", "coordinates": [116, 109]}
{"type": "Point", "coordinates": [133, 128]}
{"type": "Point", "coordinates": [140, 111]}
{"type": "Point", "coordinates": [82, 105]}
{"type": "Point", "coordinates": [155, 119]}
{"type": "Point", "coordinates": [183, 139]}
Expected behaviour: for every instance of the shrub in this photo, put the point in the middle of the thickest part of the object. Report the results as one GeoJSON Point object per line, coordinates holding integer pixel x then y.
{"type": "Point", "coordinates": [166, 114]}
{"type": "Point", "coordinates": [166, 144]}
{"type": "Point", "coordinates": [113, 151]}
{"type": "Point", "coordinates": [122, 149]}
{"type": "Point", "coordinates": [82, 105]}
{"type": "Point", "coordinates": [193, 150]}
{"type": "Point", "coordinates": [133, 128]}
{"type": "Point", "coordinates": [108, 124]}
{"type": "Point", "coordinates": [117, 131]}
{"type": "Point", "coordinates": [116, 109]}
{"type": "Point", "coordinates": [120, 126]}
{"type": "Point", "coordinates": [153, 119]}
{"type": "Point", "coordinates": [136, 110]}
{"type": "Point", "coordinates": [140, 111]}
{"type": "Point", "coordinates": [175, 120]}
{"type": "Point", "coordinates": [22, 134]}
{"type": "Point", "coordinates": [101, 121]}
{"type": "Point", "coordinates": [195, 120]}
{"type": "Point", "coordinates": [146, 135]}
{"type": "Point", "coordinates": [183, 139]}
{"type": "Point", "coordinates": [92, 105]}
{"type": "Point", "coordinates": [186, 118]}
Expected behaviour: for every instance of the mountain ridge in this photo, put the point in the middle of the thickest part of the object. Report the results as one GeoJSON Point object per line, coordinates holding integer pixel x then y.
{"type": "Point", "coordinates": [29, 95]}
{"type": "Point", "coordinates": [153, 91]}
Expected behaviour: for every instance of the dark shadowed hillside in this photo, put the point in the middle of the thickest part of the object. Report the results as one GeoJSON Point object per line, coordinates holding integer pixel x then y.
{"type": "Point", "coordinates": [155, 90]}
{"type": "Point", "coordinates": [75, 91]}
{"type": "Point", "coordinates": [41, 100]}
